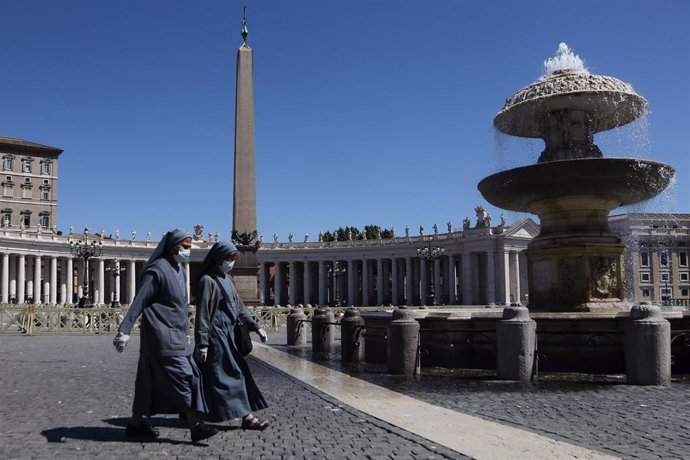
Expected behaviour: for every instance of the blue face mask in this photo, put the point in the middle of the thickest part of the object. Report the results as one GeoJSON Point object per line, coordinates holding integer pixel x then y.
{"type": "Point", "coordinates": [227, 265]}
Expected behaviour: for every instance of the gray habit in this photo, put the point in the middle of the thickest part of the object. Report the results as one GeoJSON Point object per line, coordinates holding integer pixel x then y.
{"type": "Point", "coordinates": [229, 387]}
{"type": "Point", "coordinates": [168, 380]}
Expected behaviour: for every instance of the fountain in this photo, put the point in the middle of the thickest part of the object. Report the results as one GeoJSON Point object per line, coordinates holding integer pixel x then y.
{"type": "Point", "coordinates": [575, 263]}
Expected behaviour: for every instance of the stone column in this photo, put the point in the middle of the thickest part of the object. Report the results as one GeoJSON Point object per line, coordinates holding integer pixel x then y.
{"type": "Point", "coordinates": [188, 277]}
{"type": "Point", "coordinates": [451, 284]}
{"type": "Point", "coordinates": [131, 281]}
{"type": "Point", "coordinates": [395, 294]}
{"type": "Point", "coordinates": [438, 290]}
{"type": "Point", "coordinates": [63, 282]}
{"type": "Point", "coordinates": [37, 280]}
{"type": "Point", "coordinates": [13, 277]}
{"type": "Point", "coordinates": [307, 282]}
{"type": "Point", "coordinates": [100, 280]}
{"type": "Point", "coordinates": [490, 277]}
{"type": "Point", "coordinates": [262, 284]}
{"type": "Point", "coordinates": [515, 265]}
{"type": "Point", "coordinates": [323, 283]}
{"type": "Point", "coordinates": [423, 282]}
{"type": "Point", "coordinates": [69, 281]}
{"type": "Point", "coordinates": [351, 283]}
{"type": "Point", "coordinates": [278, 282]}
{"type": "Point", "coordinates": [5, 278]}
{"type": "Point", "coordinates": [503, 273]}
{"type": "Point", "coordinates": [21, 278]}
{"type": "Point", "coordinates": [379, 281]}
{"type": "Point", "coordinates": [409, 281]}
{"type": "Point", "coordinates": [467, 292]}
{"type": "Point", "coordinates": [53, 280]}
{"type": "Point", "coordinates": [365, 283]}
{"type": "Point", "coordinates": [292, 283]}
{"type": "Point", "coordinates": [116, 281]}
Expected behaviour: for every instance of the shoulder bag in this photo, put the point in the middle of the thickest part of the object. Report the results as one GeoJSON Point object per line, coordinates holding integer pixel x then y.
{"type": "Point", "coordinates": [243, 340]}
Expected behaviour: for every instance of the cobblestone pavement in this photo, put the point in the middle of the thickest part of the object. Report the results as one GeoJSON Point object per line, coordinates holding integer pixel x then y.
{"type": "Point", "coordinates": [70, 397]}
{"type": "Point", "coordinates": [596, 412]}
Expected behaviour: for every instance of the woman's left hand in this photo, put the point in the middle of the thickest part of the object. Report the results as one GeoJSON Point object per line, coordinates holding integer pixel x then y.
{"type": "Point", "coordinates": [262, 335]}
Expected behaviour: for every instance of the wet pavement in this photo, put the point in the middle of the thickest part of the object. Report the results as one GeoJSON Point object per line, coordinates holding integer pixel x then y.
{"type": "Point", "coordinates": [70, 397]}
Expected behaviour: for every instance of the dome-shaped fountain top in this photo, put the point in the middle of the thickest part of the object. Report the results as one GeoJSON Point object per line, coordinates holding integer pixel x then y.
{"type": "Point", "coordinates": [568, 85]}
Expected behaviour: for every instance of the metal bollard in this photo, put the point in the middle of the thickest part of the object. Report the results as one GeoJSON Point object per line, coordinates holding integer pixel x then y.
{"type": "Point", "coordinates": [352, 343]}
{"type": "Point", "coordinates": [321, 330]}
{"type": "Point", "coordinates": [647, 347]}
{"type": "Point", "coordinates": [515, 344]}
{"type": "Point", "coordinates": [296, 334]}
{"type": "Point", "coordinates": [402, 345]}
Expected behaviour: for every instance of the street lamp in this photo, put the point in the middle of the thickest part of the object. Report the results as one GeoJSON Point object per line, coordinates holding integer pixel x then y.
{"type": "Point", "coordinates": [430, 254]}
{"type": "Point", "coordinates": [334, 272]}
{"type": "Point", "coordinates": [116, 270]}
{"type": "Point", "coordinates": [85, 249]}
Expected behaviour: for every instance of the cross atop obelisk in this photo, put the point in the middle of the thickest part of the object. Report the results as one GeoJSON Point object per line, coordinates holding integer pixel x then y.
{"type": "Point", "coordinates": [244, 193]}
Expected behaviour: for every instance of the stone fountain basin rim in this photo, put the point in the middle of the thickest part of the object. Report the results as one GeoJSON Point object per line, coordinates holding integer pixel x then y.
{"type": "Point", "coordinates": [627, 179]}
{"type": "Point", "coordinates": [524, 118]}
{"type": "Point", "coordinates": [466, 313]}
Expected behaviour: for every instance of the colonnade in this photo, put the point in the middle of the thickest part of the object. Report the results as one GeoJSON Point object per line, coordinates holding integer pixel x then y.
{"type": "Point", "coordinates": [480, 277]}
{"type": "Point", "coordinates": [58, 279]}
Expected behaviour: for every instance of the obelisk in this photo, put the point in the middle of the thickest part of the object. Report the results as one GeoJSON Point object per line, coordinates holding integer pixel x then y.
{"type": "Point", "coordinates": [244, 193]}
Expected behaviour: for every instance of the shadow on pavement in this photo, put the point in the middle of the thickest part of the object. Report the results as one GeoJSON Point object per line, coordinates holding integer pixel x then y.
{"type": "Point", "coordinates": [96, 433]}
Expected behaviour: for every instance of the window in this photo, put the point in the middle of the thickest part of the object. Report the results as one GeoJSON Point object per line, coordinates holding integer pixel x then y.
{"type": "Point", "coordinates": [663, 259]}
{"type": "Point", "coordinates": [8, 191]}
{"type": "Point", "coordinates": [684, 292]}
{"type": "Point", "coordinates": [46, 182]}
{"type": "Point", "coordinates": [665, 293]}
{"type": "Point", "coordinates": [683, 259]}
{"type": "Point", "coordinates": [664, 277]}
{"type": "Point", "coordinates": [644, 277]}
{"type": "Point", "coordinates": [45, 195]}
{"type": "Point", "coordinates": [6, 219]}
{"type": "Point", "coordinates": [46, 167]}
{"type": "Point", "coordinates": [26, 192]}
{"type": "Point", "coordinates": [26, 165]}
{"type": "Point", "coordinates": [644, 259]}
{"type": "Point", "coordinates": [685, 277]}
{"type": "Point", "coordinates": [8, 163]}
{"type": "Point", "coordinates": [645, 292]}
{"type": "Point", "coordinates": [45, 220]}
{"type": "Point", "coordinates": [26, 219]}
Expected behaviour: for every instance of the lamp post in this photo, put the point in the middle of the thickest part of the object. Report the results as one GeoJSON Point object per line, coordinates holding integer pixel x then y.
{"type": "Point", "coordinates": [334, 272]}
{"type": "Point", "coordinates": [116, 270]}
{"type": "Point", "coordinates": [430, 253]}
{"type": "Point", "coordinates": [86, 249]}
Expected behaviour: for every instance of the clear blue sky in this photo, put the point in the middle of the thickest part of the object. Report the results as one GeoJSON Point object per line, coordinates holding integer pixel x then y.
{"type": "Point", "coordinates": [367, 112]}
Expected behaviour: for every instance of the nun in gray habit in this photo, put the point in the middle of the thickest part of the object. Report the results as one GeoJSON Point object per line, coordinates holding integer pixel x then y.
{"type": "Point", "coordinates": [168, 381]}
{"type": "Point", "coordinates": [229, 387]}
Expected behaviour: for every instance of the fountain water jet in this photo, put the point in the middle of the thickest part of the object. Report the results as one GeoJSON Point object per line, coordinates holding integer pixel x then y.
{"type": "Point", "coordinates": [575, 263]}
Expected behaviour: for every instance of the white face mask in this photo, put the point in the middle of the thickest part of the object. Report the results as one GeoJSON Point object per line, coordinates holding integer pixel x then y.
{"type": "Point", "coordinates": [183, 255]}
{"type": "Point", "coordinates": [227, 265]}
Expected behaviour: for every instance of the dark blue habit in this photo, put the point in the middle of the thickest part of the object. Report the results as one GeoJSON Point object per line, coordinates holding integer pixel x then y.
{"type": "Point", "coordinates": [229, 388]}
{"type": "Point", "coordinates": [168, 380]}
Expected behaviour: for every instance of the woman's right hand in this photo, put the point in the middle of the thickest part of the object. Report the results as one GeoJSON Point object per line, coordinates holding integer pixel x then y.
{"type": "Point", "coordinates": [201, 354]}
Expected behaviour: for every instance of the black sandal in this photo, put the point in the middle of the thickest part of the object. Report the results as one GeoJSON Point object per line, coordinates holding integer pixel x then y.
{"type": "Point", "coordinates": [254, 423]}
{"type": "Point", "coordinates": [141, 431]}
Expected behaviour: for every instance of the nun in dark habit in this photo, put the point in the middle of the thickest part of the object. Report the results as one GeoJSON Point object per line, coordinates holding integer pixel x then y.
{"type": "Point", "coordinates": [229, 387]}
{"type": "Point", "coordinates": [168, 381]}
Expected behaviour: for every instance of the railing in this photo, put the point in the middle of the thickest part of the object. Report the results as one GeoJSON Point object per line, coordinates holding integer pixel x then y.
{"type": "Point", "coordinates": [53, 319]}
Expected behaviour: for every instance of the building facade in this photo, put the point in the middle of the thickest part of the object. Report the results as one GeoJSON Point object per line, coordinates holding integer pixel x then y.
{"type": "Point", "coordinates": [29, 185]}
{"type": "Point", "coordinates": [656, 256]}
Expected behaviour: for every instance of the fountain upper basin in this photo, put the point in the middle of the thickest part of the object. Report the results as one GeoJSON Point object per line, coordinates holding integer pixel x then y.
{"type": "Point", "coordinates": [628, 180]}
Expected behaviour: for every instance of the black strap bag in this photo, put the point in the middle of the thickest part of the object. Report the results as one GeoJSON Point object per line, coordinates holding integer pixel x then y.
{"type": "Point", "coordinates": [243, 340]}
